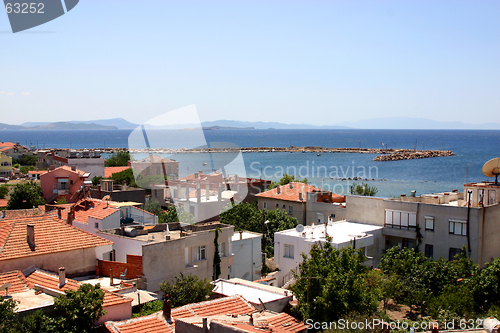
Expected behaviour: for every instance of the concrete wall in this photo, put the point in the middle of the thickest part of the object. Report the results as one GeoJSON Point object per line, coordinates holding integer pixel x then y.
{"type": "Point", "coordinates": [162, 261]}
{"type": "Point", "coordinates": [247, 258]}
{"type": "Point", "coordinates": [299, 208]}
{"type": "Point", "coordinates": [133, 194]}
{"type": "Point", "coordinates": [491, 233]}
{"type": "Point", "coordinates": [313, 208]}
{"type": "Point", "coordinates": [123, 245]}
{"type": "Point", "coordinates": [93, 165]}
{"type": "Point", "coordinates": [116, 312]}
{"type": "Point", "coordinates": [76, 262]}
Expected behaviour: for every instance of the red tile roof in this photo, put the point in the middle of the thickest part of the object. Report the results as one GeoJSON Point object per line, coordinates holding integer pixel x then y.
{"type": "Point", "coordinates": [108, 171]}
{"type": "Point", "coordinates": [51, 281]}
{"type": "Point", "coordinates": [290, 192]}
{"type": "Point", "coordinates": [66, 168]}
{"type": "Point", "coordinates": [18, 281]}
{"type": "Point", "coordinates": [51, 235]}
{"type": "Point", "coordinates": [226, 305]}
{"type": "Point", "coordinates": [92, 208]}
{"type": "Point", "coordinates": [37, 172]}
{"type": "Point", "coordinates": [154, 323]}
{"type": "Point", "coordinates": [4, 202]}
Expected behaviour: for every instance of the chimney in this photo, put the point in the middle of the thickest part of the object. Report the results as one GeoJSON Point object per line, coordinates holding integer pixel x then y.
{"type": "Point", "coordinates": [111, 276]}
{"type": "Point", "coordinates": [196, 175]}
{"type": "Point", "coordinates": [73, 168]}
{"type": "Point", "coordinates": [241, 234]}
{"type": "Point", "coordinates": [167, 308]}
{"type": "Point", "coordinates": [59, 212]}
{"type": "Point", "coordinates": [62, 277]}
{"type": "Point", "coordinates": [205, 325]}
{"type": "Point", "coordinates": [99, 192]}
{"type": "Point", "coordinates": [251, 319]}
{"type": "Point", "coordinates": [30, 236]}
{"type": "Point", "coordinates": [278, 188]}
{"type": "Point", "coordinates": [301, 196]}
{"type": "Point", "coordinates": [69, 219]}
{"type": "Point", "coordinates": [291, 185]}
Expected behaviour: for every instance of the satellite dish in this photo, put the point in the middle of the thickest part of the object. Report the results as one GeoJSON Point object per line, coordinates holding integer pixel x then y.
{"type": "Point", "coordinates": [5, 286]}
{"type": "Point", "coordinates": [299, 228]}
{"type": "Point", "coordinates": [492, 169]}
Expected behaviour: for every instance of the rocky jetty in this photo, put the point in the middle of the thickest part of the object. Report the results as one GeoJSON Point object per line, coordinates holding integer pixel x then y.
{"type": "Point", "coordinates": [413, 155]}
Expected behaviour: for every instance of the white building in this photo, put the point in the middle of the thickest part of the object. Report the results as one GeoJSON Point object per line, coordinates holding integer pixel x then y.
{"type": "Point", "coordinates": [290, 244]}
{"type": "Point", "coordinates": [247, 256]}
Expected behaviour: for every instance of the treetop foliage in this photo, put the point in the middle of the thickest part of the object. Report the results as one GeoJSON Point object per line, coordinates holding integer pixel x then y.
{"type": "Point", "coordinates": [120, 158]}
{"type": "Point", "coordinates": [187, 289]}
{"type": "Point", "coordinates": [286, 179]}
{"type": "Point", "coordinates": [25, 196]}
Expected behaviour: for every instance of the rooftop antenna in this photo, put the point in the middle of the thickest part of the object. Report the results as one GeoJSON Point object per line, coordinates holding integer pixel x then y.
{"type": "Point", "coordinates": [492, 169]}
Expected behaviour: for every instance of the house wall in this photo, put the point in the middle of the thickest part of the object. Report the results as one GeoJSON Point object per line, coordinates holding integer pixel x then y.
{"type": "Point", "coordinates": [247, 258]}
{"type": "Point", "coordinates": [76, 262]}
{"type": "Point", "coordinates": [49, 178]}
{"type": "Point", "coordinates": [133, 266]}
{"type": "Point", "coordinates": [116, 312]}
{"type": "Point", "coordinates": [141, 216]}
{"type": "Point", "coordinates": [134, 194]}
{"type": "Point", "coordinates": [162, 261]}
{"type": "Point", "coordinates": [123, 245]}
{"type": "Point", "coordinates": [93, 165]}
{"type": "Point", "coordinates": [313, 208]}
{"type": "Point", "coordinates": [491, 234]}
{"type": "Point", "coordinates": [299, 208]}
{"type": "Point", "coordinates": [5, 166]}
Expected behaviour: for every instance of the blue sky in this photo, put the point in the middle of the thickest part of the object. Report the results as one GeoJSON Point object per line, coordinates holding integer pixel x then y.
{"type": "Point", "coordinates": [314, 62]}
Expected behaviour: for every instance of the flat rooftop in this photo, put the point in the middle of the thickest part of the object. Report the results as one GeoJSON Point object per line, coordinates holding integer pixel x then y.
{"type": "Point", "coordinates": [245, 235]}
{"type": "Point", "coordinates": [341, 231]}
{"type": "Point", "coordinates": [251, 293]}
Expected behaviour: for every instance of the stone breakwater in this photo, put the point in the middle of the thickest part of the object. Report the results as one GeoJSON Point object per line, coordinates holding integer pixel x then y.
{"type": "Point", "coordinates": [412, 155]}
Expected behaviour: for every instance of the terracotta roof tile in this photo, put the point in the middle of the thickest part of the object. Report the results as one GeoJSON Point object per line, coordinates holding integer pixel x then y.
{"type": "Point", "coordinates": [51, 235]}
{"type": "Point", "coordinates": [37, 172]}
{"type": "Point", "coordinates": [233, 305]}
{"type": "Point", "coordinates": [4, 202]}
{"type": "Point", "coordinates": [154, 323]}
{"type": "Point", "coordinates": [18, 281]}
{"type": "Point", "coordinates": [286, 323]}
{"type": "Point", "coordinates": [109, 171]}
{"type": "Point", "coordinates": [92, 208]}
{"type": "Point", "coordinates": [66, 168]}
{"type": "Point", "coordinates": [290, 192]}
{"type": "Point", "coordinates": [51, 281]}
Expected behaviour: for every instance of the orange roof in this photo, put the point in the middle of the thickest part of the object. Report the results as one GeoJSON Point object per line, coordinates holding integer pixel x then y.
{"type": "Point", "coordinates": [51, 281]}
{"type": "Point", "coordinates": [92, 208]}
{"type": "Point", "coordinates": [290, 192]}
{"type": "Point", "coordinates": [37, 172]}
{"type": "Point", "coordinates": [154, 323]}
{"type": "Point", "coordinates": [108, 171]}
{"type": "Point", "coordinates": [51, 235]}
{"type": "Point", "coordinates": [67, 168]}
{"type": "Point", "coordinates": [7, 144]}
{"type": "Point", "coordinates": [17, 279]}
{"type": "Point", "coordinates": [4, 202]}
{"type": "Point", "coordinates": [233, 305]}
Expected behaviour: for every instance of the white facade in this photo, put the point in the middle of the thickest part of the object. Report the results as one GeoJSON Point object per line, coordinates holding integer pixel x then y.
{"type": "Point", "coordinates": [247, 256]}
{"type": "Point", "coordinates": [289, 244]}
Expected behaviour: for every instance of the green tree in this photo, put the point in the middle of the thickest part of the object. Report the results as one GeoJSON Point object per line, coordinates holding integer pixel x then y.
{"type": "Point", "coordinates": [147, 309]}
{"type": "Point", "coordinates": [25, 195]}
{"type": "Point", "coordinates": [176, 214]}
{"type": "Point", "coordinates": [187, 289]}
{"type": "Point", "coordinates": [486, 285]}
{"type": "Point", "coordinates": [247, 216]}
{"type": "Point", "coordinates": [77, 311]}
{"type": "Point", "coordinates": [8, 317]}
{"type": "Point", "coordinates": [286, 179]}
{"type": "Point", "coordinates": [364, 189]}
{"type": "Point", "coordinates": [4, 190]}
{"type": "Point", "coordinates": [456, 300]}
{"type": "Point", "coordinates": [96, 180]}
{"type": "Point", "coordinates": [124, 176]}
{"type": "Point", "coordinates": [217, 260]}
{"type": "Point", "coordinates": [120, 158]}
{"type": "Point", "coordinates": [332, 283]}
{"type": "Point", "coordinates": [153, 206]}
{"type": "Point", "coordinates": [37, 322]}
{"type": "Point", "coordinates": [27, 160]}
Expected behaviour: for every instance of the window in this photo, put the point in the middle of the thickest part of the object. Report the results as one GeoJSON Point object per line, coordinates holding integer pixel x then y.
{"type": "Point", "coordinates": [429, 251]}
{"type": "Point", "coordinates": [400, 219]}
{"type": "Point", "coordinates": [491, 197]}
{"type": "Point", "coordinates": [96, 225]}
{"type": "Point", "coordinates": [222, 249]}
{"type": "Point", "coordinates": [201, 253]}
{"type": "Point", "coordinates": [277, 206]}
{"type": "Point", "coordinates": [429, 223]}
{"type": "Point", "coordinates": [266, 205]}
{"type": "Point", "coordinates": [284, 207]}
{"type": "Point", "coordinates": [290, 210]}
{"type": "Point", "coordinates": [288, 251]}
{"type": "Point", "coordinates": [458, 227]}
{"type": "Point", "coordinates": [407, 242]}
{"type": "Point", "coordinates": [453, 252]}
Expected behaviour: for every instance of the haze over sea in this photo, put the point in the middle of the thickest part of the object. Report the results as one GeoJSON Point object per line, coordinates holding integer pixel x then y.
{"type": "Point", "coordinates": [472, 148]}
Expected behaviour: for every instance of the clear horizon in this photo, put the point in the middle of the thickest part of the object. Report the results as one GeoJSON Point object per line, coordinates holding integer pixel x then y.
{"type": "Point", "coordinates": [327, 62]}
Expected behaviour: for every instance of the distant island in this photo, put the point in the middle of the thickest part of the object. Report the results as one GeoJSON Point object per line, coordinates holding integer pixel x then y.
{"type": "Point", "coordinates": [58, 126]}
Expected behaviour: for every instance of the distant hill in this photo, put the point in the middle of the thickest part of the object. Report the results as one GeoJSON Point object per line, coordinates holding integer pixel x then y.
{"type": "Point", "coordinates": [71, 126]}
{"type": "Point", "coordinates": [416, 123]}
{"type": "Point", "coordinates": [117, 123]}
{"type": "Point", "coordinates": [10, 127]}
{"type": "Point", "coordinates": [265, 125]}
